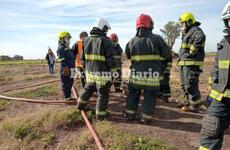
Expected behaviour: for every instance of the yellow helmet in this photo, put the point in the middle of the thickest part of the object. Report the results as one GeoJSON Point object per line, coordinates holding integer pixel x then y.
{"type": "Point", "coordinates": [63, 34]}
{"type": "Point", "coordinates": [187, 17]}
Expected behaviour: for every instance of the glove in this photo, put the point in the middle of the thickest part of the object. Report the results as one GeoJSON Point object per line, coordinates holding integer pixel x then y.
{"type": "Point", "coordinates": [66, 71]}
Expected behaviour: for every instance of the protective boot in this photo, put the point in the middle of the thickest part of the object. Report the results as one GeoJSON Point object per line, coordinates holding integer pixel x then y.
{"type": "Point", "coordinates": [146, 121]}
{"type": "Point", "coordinates": [129, 116]}
{"type": "Point", "coordinates": [191, 108]}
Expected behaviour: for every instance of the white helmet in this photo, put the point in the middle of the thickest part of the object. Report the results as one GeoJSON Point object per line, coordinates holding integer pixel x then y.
{"type": "Point", "coordinates": [101, 24]}
{"type": "Point", "coordinates": [226, 12]}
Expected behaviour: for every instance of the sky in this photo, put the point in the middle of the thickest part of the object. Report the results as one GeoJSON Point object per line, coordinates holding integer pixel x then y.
{"type": "Point", "coordinates": [28, 27]}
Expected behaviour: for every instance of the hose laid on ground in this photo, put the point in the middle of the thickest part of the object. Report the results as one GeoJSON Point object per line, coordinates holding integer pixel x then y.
{"type": "Point", "coordinates": [90, 127]}
{"type": "Point", "coordinates": [72, 102]}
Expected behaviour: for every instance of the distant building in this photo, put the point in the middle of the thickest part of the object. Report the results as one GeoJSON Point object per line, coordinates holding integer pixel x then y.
{"type": "Point", "coordinates": [5, 57]}
{"type": "Point", "coordinates": [18, 57]}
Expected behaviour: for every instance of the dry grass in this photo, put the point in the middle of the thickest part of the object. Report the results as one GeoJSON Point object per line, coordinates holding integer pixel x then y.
{"type": "Point", "coordinates": [114, 139]}
{"type": "Point", "coordinates": [37, 128]}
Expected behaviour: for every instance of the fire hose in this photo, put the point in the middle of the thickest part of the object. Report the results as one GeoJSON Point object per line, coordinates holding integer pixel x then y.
{"type": "Point", "coordinates": [72, 102]}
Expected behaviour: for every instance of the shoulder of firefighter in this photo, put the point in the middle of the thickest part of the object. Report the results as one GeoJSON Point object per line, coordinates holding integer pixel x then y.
{"type": "Point", "coordinates": [192, 48]}
{"type": "Point", "coordinates": [219, 78]}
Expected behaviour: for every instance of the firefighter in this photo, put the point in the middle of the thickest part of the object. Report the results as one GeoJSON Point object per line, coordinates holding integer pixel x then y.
{"type": "Point", "coordinates": [77, 48]}
{"type": "Point", "coordinates": [190, 62]}
{"type": "Point", "coordinates": [165, 91]}
{"type": "Point", "coordinates": [145, 51]}
{"type": "Point", "coordinates": [117, 54]}
{"type": "Point", "coordinates": [99, 63]}
{"type": "Point", "coordinates": [67, 62]}
{"type": "Point", "coordinates": [217, 119]}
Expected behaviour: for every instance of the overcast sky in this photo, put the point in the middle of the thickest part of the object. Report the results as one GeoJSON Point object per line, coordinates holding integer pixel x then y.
{"type": "Point", "coordinates": [28, 27]}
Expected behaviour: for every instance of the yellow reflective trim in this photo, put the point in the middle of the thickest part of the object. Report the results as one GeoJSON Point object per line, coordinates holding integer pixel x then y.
{"type": "Point", "coordinates": [145, 57]}
{"type": "Point", "coordinates": [195, 102]}
{"type": "Point", "coordinates": [81, 101]}
{"type": "Point", "coordinates": [227, 93]}
{"type": "Point", "coordinates": [147, 116]}
{"type": "Point", "coordinates": [117, 57]}
{"type": "Point", "coordinates": [203, 45]}
{"type": "Point", "coordinates": [113, 69]}
{"type": "Point", "coordinates": [190, 63]}
{"type": "Point", "coordinates": [192, 48]}
{"type": "Point", "coordinates": [101, 113]}
{"type": "Point", "coordinates": [161, 78]}
{"type": "Point", "coordinates": [95, 57]}
{"type": "Point", "coordinates": [61, 59]}
{"type": "Point", "coordinates": [129, 111]}
{"type": "Point", "coordinates": [100, 80]}
{"type": "Point", "coordinates": [203, 148]}
{"type": "Point", "coordinates": [169, 65]}
{"type": "Point", "coordinates": [210, 80]}
{"type": "Point", "coordinates": [163, 58]}
{"type": "Point", "coordinates": [184, 45]}
{"type": "Point", "coordinates": [219, 96]}
{"type": "Point", "coordinates": [224, 64]}
{"type": "Point", "coordinates": [146, 82]}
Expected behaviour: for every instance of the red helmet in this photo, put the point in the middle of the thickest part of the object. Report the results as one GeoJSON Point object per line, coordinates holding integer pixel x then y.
{"type": "Point", "coordinates": [113, 37]}
{"type": "Point", "coordinates": [144, 21]}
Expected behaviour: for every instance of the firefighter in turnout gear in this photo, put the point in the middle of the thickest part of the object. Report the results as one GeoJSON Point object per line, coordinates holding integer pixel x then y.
{"type": "Point", "coordinates": [67, 61]}
{"type": "Point", "coordinates": [145, 51]}
{"type": "Point", "coordinates": [99, 65]}
{"type": "Point", "coordinates": [77, 48]}
{"type": "Point", "coordinates": [117, 54]}
{"type": "Point", "coordinates": [217, 119]}
{"type": "Point", "coordinates": [190, 62]}
{"type": "Point", "coordinates": [165, 91]}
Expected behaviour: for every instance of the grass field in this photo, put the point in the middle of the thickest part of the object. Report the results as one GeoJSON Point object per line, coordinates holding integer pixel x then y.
{"type": "Point", "coordinates": [37, 126]}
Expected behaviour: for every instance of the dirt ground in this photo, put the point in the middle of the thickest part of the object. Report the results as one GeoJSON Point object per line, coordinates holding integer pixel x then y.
{"type": "Point", "coordinates": [170, 125]}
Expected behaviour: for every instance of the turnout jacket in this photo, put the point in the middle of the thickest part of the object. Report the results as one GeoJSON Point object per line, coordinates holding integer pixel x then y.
{"type": "Point", "coordinates": [117, 54]}
{"type": "Point", "coordinates": [146, 51]}
{"type": "Point", "coordinates": [66, 56]}
{"type": "Point", "coordinates": [98, 57]}
{"type": "Point", "coordinates": [220, 75]}
{"type": "Point", "coordinates": [192, 47]}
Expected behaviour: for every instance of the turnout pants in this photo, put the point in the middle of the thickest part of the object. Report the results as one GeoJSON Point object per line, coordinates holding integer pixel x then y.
{"type": "Point", "coordinates": [66, 83]}
{"type": "Point", "coordinates": [215, 122]}
{"type": "Point", "coordinates": [102, 100]}
{"type": "Point", "coordinates": [165, 90]}
{"type": "Point", "coordinates": [189, 76]}
{"type": "Point", "coordinates": [147, 106]}
{"type": "Point", "coordinates": [82, 76]}
{"type": "Point", "coordinates": [117, 81]}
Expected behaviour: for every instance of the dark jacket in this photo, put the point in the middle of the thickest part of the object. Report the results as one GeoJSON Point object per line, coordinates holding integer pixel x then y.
{"type": "Point", "coordinates": [146, 51]}
{"type": "Point", "coordinates": [192, 47]}
{"type": "Point", "coordinates": [97, 56]}
{"type": "Point", "coordinates": [48, 59]}
{"type": "Point", "coordinates": [66, 56]}
{"type": "Point", "coordinates": [220, 74]}
{"type": "Point", "coordinates": [117, 54]}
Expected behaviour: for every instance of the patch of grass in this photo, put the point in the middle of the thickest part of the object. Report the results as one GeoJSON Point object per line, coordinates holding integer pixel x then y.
{"type": "Point", "coordinates": [4, 104]}
{"type": "Point", "coordinates": [20, 62]}
{"type": "Point", "coordinates": [43, 91]}
{"type": "Point", "coordinates": [114, 138]}
{"type": "Point", "coordinates": [41, 126]}
{"type": "Point", "coordinates": [48, 138]}
{"type": "Point", "coordinates": [21, 131]}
